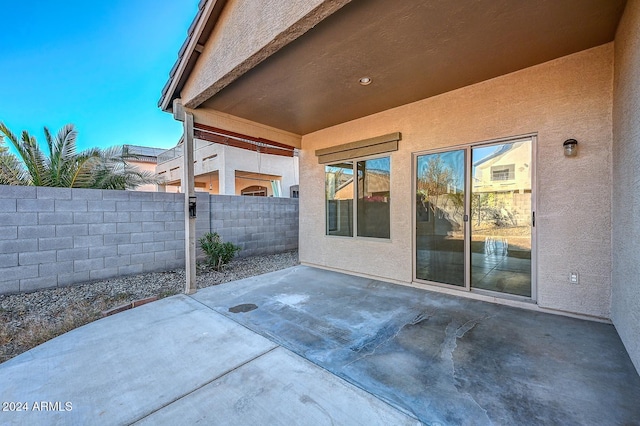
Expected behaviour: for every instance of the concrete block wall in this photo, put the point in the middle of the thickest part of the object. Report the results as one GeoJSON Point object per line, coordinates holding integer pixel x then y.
{"type": "Point", "coordinates": [259, 225]}
{"type": "Point", "coordinates": [53, 237]}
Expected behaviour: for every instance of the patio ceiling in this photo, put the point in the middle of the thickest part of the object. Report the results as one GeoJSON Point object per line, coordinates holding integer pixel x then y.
{"type": "Point", "coordinates": [411, 50]}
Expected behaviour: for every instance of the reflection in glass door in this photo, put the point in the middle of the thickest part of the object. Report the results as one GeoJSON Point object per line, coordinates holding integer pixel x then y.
{"type": "Point", "coordinates": [440, 211]}
{"type": "Point", "coordinates": [473, 217]}
{"type": "Point", "coordinates": [501, 218]}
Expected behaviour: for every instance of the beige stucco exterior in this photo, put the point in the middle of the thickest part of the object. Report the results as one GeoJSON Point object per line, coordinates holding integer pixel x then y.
{"type": "Point", "coordinates": [625, 311]}
{"type": "Point", "coordinates": [246, 127]}
{"type": "Point", "coordinates": [227, 170]}
{"type": "Point", "coordinates": [570, 97]}
{"type": "Point", "coordinates": [145, 167]}
{"type": "Point", "coordinates": [296, 70]}
{"type": "Point", "coordinates": [519, 173]}
{"type": "Point", "coordinates": [241, 41]}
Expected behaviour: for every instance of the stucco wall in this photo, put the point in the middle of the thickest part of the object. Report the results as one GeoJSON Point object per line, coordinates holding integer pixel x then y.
{"type": "Point", "coordinates": [241, 41]}
{"type": "Point", "coordinates": [147, 167]}
{"type": "Point", "coordinates": [570, 97]}
{"type": "Point", "coordinates": [241, 160]}
{"type": "Point", "coordinates": [226, 161]}
{"type": "Point", "coordinates": [625, 306]}
{"type": "Point", "coordinates": [232, 123]}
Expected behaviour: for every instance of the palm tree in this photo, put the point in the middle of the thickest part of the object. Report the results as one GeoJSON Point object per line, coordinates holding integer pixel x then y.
{"type": "Point", "coordinates": [11, 172]}
{"type": "Point", "coordinates": [65, 167]}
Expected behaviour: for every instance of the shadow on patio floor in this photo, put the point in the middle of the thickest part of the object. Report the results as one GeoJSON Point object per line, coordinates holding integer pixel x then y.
{"type": "Point", "coordinates": [445, 359]}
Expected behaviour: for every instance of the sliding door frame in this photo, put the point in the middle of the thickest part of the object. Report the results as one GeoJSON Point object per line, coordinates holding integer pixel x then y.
{"type": "Point", "coordinates": [467, 211]}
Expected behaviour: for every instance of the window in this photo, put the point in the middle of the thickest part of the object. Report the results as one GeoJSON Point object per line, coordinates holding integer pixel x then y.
{"type": "Point", "coordinates": [503, 172]}
{"type": "Point", "coordinates": [372, 192]}
{"type": "Point", "coordinates": [254, 191]}
{"type": "Point", "coordinates": [339, 196]}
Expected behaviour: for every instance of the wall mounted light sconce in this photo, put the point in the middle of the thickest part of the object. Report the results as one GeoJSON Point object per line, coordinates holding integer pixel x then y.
{"type": "Point", "coordinates": [570, 148]}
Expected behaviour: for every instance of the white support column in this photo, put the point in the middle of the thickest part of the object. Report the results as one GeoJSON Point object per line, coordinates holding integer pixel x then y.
{"type": "Point", "coordinates": [189, 191]}
{"type": "Point", "coordinates": [222, 177]}
{"type": "Point", "coordinates": [226, 174]}
{"type": "Point", "coordinates": [229, 180]}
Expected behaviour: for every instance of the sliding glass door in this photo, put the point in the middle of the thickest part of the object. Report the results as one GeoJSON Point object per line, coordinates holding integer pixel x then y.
{"type": "Point", "coordinates": [440, 230]}
{"type": "Point", "coordinates": [501, 217]}
{"type": "Point", "coordinates": [474, 217]}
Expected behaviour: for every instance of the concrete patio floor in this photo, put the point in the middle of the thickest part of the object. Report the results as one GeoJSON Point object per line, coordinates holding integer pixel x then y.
{"type": "Point", "coordinates": [262, 350]}
{"type": "Point", "coordinates": [444, 359]}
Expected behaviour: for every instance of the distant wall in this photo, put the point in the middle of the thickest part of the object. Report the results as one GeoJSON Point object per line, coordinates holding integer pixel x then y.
{"type": "Point", "coordinates": [53, 237]}
{"type": "Point", "coordinates": [220, 169]}
{"type": "Point", "coordinates": [625, 303]}
{"type": "Point", "coordinates": [259, 225]}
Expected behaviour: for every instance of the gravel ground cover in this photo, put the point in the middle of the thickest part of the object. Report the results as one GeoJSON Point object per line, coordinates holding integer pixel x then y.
{"type": "Point", "coordinates": [27, 320]}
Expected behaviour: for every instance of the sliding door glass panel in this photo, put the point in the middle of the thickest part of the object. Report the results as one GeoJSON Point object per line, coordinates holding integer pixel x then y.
{"type": "Point", "coordinates": [374, 197]}
{"type": "Point", "coordinates": [439, 217]}
{"type": "Point", "coordinates": [339, 199]}
{"type": "Point", "coordinates": [501, 218]}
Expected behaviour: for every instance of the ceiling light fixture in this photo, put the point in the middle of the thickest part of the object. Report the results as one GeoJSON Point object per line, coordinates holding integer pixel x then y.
{"type": "Point", "coordinates": [365, 81]}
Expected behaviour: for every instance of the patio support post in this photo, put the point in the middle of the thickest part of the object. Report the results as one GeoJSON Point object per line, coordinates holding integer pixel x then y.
{"type": "Point", "coordinates": [188, 188]}
{"type": "Point", "coordinates": [189, 222]}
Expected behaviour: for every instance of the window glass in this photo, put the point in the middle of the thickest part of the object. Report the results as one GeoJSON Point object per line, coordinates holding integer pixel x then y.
{"type": "Point", "coordinates": [503, 172]}
{"type": "Point", "coordinates": [254, 191]}
{"type": "Point", "coordinates": [339, 198]}
{"type": "Point", "coordinates": [374, 198]}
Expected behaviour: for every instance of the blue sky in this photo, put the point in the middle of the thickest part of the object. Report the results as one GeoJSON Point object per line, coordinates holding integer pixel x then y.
{"type": "Point", "coordinates": [100, 65]}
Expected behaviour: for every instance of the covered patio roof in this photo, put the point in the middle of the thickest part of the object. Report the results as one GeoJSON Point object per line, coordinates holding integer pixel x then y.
{"type": "Point", "coordinates": [410, 51]}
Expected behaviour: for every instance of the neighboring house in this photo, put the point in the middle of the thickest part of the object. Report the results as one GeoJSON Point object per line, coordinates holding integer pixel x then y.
{"type": "Point", "coordinates": [507, 168]}
{"type": "Point", "coordinates": [146, 160]}
{"type": "Point", "coordinates": [230, 163]}
{"type": "Point", "coordinates": [502, 184]}
{"type": "Point", "coordinates": [425, 91]}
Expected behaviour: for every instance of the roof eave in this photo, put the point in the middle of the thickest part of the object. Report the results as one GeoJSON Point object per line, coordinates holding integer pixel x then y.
{"type": "Point", "coordinates": [197, 35]}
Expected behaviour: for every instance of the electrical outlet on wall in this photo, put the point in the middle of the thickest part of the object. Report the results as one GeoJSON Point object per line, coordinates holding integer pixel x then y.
{"type": "Point", "coordinates": [573, 278]}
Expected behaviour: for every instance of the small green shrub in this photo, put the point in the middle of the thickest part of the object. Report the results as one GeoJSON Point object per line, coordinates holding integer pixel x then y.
{"type": "Point", "coordinates": [217, 252]}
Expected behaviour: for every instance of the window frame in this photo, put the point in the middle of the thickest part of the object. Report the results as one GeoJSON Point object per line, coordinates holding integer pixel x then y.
{"type": "Point", "coordinates": [355, 197]}
{"type": "Point", "coordinates": [499, 171]}
{"type": "Point", "coordinates": [254, 191]}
